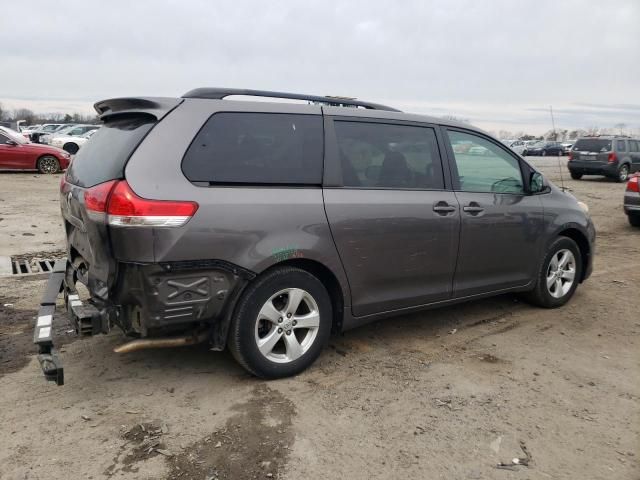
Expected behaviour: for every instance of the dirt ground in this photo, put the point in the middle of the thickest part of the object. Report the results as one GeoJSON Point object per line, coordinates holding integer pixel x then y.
{"type": "Point", "coordinates": [446, 393]}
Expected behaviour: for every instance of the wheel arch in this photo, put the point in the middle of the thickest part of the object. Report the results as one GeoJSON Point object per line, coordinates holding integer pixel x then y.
{"type": "Point", "coordinates": [583, 244]}
{"type": "Point", "coordinates": [328, 279]}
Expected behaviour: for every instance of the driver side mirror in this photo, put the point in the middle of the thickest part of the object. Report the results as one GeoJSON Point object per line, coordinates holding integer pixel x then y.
{"type": "Point", "coordinates": [11, 143]}
{"type": "Point", "coordinates": [536, 183]}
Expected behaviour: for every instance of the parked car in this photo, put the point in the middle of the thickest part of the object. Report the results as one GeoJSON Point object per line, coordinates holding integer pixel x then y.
{"type": "Point", "coordinates": [262, 227]}
{"type": "Point", "coordinates": [518, 146]}
{"type": "Point", "coordinates": [543, 149]}
{"type": "Point", "coordinates": [28, 130]}
{"type": "Point", "coordinates": [71, 143]}
{"type": "Point", "coordinates": [567, 147]}
{"type": "Point", "coordinates": [17, 153]}
{"type": "Point", "coordinates": [612, 156]}
{"type": "Point", "coordinates": [75, 130]}
{"type": "Point", "coordinates": [45, 129]}
{"type": "Point", "coordinates": [632, 200]}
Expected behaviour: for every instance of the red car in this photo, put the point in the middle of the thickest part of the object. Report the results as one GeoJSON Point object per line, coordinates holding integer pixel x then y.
{"type": "Point", "coordinates": [17, 153]}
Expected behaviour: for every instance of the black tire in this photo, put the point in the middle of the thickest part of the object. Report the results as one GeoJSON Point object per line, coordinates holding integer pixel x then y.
{"type": "Point", "coordinates": [576, 175]}
{"type": "Point", "coordinates": [71, 148]}
{"type": "Point", "coordinates": [242, 340]}
{"type": "Point", "coordinates": [48, 164]}
{"type": "Point", "coordinates": [540, 295]}
{"type": "Point", "coordinates": [634, 219]}
{"type": "Point", "coordinates": [623, 173]}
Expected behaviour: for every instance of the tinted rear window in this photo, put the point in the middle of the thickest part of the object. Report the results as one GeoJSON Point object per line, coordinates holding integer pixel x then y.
{"type": "Point", "coordinates": [105, 155]}
{"type": "Point", "coordinates": [592, 145]}
{"type": "Point", "coordinates": [257, 148]}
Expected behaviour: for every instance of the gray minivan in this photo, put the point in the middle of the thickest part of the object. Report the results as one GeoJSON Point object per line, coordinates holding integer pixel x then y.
{"type": "Point", "coordinates": [263, 227]}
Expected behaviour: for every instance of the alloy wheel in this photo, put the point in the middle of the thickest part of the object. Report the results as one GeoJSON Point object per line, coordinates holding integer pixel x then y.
{"type": "Point", "coordinates": [623, 173]}
{"type": "Point", "coordinates": [287, 325]}
{"type": "Point", "coordinates": [48, 165]}
{"type": "Point", "coordinates": [561, 273]}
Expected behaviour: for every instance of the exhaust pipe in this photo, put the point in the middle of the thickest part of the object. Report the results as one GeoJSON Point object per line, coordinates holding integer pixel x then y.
{"type": "Point", "coordinates": [168, 342]}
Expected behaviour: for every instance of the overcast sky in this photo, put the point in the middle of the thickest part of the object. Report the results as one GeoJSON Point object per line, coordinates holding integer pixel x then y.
{"type": "Point", "coordinates": [499, 64]}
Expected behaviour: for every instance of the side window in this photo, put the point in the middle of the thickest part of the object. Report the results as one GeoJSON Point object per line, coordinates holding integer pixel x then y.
{"type": "Point", "coordinates": [483, 166]}
{"type": "Point", "coordinates": [76, 131]}
{"type": "Point", "coordinates": [633, 146]}
{"type": "Point", "coordinates": [3, 139]}
{"type": "Point", "coordinates": [257, 148]}
{"type": "Point", "coordinates": [621, 146]}
{"type": "Point", "coordinates": [380, 155]}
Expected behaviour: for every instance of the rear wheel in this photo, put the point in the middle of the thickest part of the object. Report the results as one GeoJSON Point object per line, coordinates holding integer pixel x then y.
{"type": "Point", "coordinates": [623, 173]}
{"type": "Point", "coordinates": [634, 219]}
{"type": "Point", "coordinates": [576, 175]}
{"type": "Point", "coordinates": [71, 147]}
{"type": "Point", "coordinates": [48, 164]}
{"type": "Point", "coordinates": [281, 323]}
{"type": "Point", "coordinates": [558, 276]}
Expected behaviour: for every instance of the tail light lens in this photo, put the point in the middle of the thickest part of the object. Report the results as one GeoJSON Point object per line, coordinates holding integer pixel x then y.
{"type": "Point", "coordinates": [633, 184]}
{"type": "Point", "coordinates": [612, 157]}
{"type": "Point", "coordinates": [570, 156]}
{"type": "Point", "coordinates": [115, 202]}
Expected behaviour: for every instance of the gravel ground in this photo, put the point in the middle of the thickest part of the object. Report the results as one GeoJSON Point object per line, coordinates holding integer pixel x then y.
{"type": "Point", "coordinates": [446, 393]}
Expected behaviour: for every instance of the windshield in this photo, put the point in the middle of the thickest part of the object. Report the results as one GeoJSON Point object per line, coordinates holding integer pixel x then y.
{"type": "Point", "coordinates": [13, 135]}
{"type": "Point", "coordinates": [592, 145]}
{"type": "Point", "coordinates": [65, 130]}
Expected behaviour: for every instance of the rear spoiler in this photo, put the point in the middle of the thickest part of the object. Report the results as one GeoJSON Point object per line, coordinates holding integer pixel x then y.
{"type": "Point", "coordinates": [157, 107]}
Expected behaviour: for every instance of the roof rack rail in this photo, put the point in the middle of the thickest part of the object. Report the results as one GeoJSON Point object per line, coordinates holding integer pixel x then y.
{"type": "Point", "coordinates": [220, 93]}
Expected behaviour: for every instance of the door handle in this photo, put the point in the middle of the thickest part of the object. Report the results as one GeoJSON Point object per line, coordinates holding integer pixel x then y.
{"type": "Point", "coordinates": [443, 208]}
{"type": "Point", "coordinates": [473, 208]}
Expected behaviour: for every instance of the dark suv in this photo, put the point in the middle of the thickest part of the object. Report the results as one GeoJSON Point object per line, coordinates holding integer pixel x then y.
{"type": "Point", "coordinates": [263, 227]}
{"type": "Point", "coordinates": [615, 157]}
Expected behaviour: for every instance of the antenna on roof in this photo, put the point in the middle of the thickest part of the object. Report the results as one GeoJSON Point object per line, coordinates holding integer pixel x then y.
{"type": "Point", "coordinates": [555, 136]}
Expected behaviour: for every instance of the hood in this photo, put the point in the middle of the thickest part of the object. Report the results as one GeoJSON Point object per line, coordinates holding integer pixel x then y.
{"type": "Point", "coordinates": [48, 148]}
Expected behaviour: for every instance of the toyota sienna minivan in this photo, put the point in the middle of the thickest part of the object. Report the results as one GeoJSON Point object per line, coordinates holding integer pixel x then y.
{"type": "Point", "coordinates": [263, 227]}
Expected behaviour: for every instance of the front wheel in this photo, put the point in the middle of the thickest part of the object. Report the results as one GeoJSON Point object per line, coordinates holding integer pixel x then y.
{"type": "Point", "coordinates": [558, 276]}
{"type": "Point", "coordinates": [71, 148]}
{"type": "Point", "coordinates": [48, 164]}
{"type": "Point", "coordinates": [281, 323]}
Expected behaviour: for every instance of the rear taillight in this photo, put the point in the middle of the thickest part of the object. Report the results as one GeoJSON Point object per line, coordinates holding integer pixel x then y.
{"type": "Point", "coordinates": [633, 184]}
{"type": "Point", "coordinates": [570, 156]}
{"type": "Point", "coordinates": [120, 206]}
{"type": "Point", "coordinates": [612, 157]}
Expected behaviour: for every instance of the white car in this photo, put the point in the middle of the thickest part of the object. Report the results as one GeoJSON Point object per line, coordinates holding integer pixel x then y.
{"type": "Point", "coordinates": [72, 143]}
{"type": "Point", "coordinates": [517, 146]}
{"type": "Point", "coordinates": [27, 131]}
{"type": "Point", "coordinates": [70, 131]}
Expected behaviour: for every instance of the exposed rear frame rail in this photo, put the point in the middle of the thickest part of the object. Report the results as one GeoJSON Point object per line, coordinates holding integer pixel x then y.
{"type": "Point", "coordinates": [43, 333]}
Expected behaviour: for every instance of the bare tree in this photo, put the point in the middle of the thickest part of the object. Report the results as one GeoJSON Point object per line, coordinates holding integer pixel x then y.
{"type": "Point", "coordinates": [621, 126]}
{"type": "Point", "coordinates": [456, 119]}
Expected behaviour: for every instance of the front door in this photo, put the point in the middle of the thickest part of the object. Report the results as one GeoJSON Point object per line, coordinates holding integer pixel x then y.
{"type": "Point", "coordinates": [10, 154]}
{"type": "Point", "coordinates": [500, 236]}
{"type": "Point", "coordinates": [394, 223]}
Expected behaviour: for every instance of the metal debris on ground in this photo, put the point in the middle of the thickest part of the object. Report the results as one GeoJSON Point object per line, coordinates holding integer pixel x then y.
{"type": "Point", "coordinates": [515, 462]}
